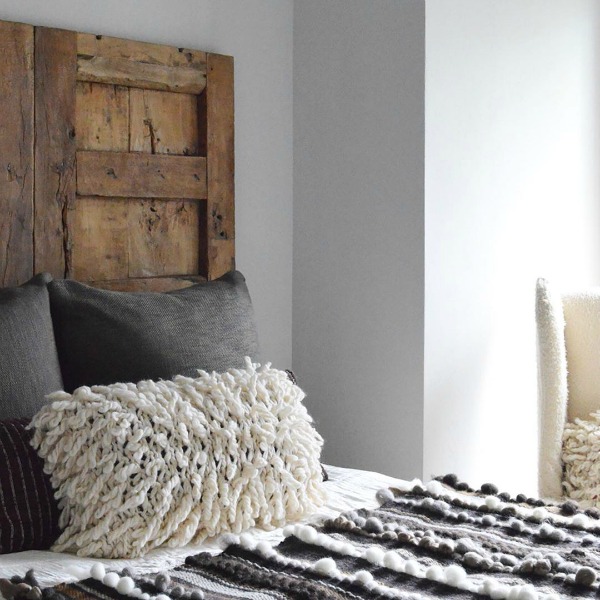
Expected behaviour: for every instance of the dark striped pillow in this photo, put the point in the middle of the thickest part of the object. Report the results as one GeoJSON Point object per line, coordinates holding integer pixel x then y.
{"type": "Point", "coordinates": [28, 510]}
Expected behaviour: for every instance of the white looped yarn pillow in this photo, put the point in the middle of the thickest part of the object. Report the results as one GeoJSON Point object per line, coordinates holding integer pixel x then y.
{"type": "Point", "coordinates": [581, 460]}
{"type": "Point", "coordinates": [136, 466]}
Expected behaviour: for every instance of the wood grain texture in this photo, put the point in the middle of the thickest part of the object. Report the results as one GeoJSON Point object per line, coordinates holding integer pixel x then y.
{"type": "Point", "coordinates": [100, 239]}
{"type": "Point", "coordinates": [137, 175]}
{"type": "Point", "coordinates": [217, 129]}
{"type": "Point", "coordinates": [114, 239]}
{"type": "Point", "coordinates": [163, 122]}
{"type": "Point", "coordinates": [55, 80]}
{"type": "Point", "coordinates": [89, 45]}
{"type": "Point", "coordinates": [149, 284]}
{"type": "Point", "coordinates": [102, 117]}
{"type": "Point", "coordinates": [16, 152]}
{"type": "Point", "coordinates": [135, 74]}
{"type": "Point", "coordinates": [164, 238]}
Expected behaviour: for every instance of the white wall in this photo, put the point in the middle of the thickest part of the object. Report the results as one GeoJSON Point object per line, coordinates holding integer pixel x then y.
{"type": "Point", "coordinates": [512, 163]}
{"type": "Point", "coordinates": [258, 33]}
{"type": "Point", "coordinates": [358, 227]}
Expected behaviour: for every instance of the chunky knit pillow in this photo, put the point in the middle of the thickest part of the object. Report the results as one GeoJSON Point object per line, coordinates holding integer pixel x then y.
{"type": "Point", "coordinates": [174, 462]}
{"type": "Point", "coordinates": [581, 460]}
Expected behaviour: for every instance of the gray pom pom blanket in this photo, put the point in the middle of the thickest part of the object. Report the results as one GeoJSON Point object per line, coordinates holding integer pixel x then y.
{"type": "Point", "coordinates": [440, 540]}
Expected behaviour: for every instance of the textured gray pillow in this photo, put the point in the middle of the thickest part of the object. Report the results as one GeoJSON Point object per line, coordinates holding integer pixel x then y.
{"type": "Point", "coordinates": [108, 337]}
{"type": "Point", "coordinates": [29, 367]}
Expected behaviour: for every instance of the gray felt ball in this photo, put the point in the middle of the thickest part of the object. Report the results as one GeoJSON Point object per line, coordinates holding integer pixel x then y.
{"type": "Point", "coordinates": [585, 576]}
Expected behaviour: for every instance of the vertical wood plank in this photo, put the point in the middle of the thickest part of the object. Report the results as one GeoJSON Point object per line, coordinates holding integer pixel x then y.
{"type": "Point", "coordinates": [216, 124]}
{"type": "Point", "coordinates": [55, 90]}
{"type": "Point", "coordinates": [163, 122]}
{"type": "Point", "coordinates": [102, 117]}
{"type": "Point", "coordinates": [163, 237]}
{"type": "Point", "coordinates": [16, 153]}
{"type": "Point", "coordinates": [100, 239]}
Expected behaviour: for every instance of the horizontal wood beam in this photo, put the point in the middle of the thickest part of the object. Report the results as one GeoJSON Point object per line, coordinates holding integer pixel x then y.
{"type": "Point", "coordinates": [137, 175]}
{"type": "Point", "coordinates": [120, 71]}
{"type": "Point", "coordinates": [89, 45]}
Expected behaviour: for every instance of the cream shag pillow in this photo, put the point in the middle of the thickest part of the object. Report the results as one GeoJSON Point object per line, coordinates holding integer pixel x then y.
{"type": "Point", "coordinates": [581, 460]}
{"type": "Point", "coordinates": [174, 462]}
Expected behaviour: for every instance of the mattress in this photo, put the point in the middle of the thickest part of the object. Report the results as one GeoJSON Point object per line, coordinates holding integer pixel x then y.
{"type": "Point", "coordinates": [346, 489]}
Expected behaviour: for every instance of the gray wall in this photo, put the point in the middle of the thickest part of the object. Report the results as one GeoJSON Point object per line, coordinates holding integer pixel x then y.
{"type": "Point", "coordinates": [258, 33]}
{"type": "Point", "coordinates": [358, 227]}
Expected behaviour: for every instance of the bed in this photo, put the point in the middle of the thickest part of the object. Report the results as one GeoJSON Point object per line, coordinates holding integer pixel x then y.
{"type": "Point", "coordinates": [119, 159]}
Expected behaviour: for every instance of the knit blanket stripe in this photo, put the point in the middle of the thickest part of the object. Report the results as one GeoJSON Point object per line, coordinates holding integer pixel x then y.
{"type": "Point", "coordinates": [422, 542]}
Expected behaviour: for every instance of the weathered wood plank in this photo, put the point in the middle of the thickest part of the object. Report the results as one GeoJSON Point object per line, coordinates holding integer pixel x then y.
{"type": "Point", "coordinates": [133, 175]}
{"type": "Point", "coordinates": [55, 80]}
{"type": "Point", "coordinates": [89, 45]}
{"type": "Point", "coordinates": [121, 71]}
{"type": "Point", "coordinates": [164, 238]}
{"type": "Point", "coordinates": [99, 232]}
{"type": "Point", "coordinates": [115, 239]}
{"type": "Point", "coordinates": [163, 122]}
{"type": "Point", "coordinates": [16, 153]}
{"type": "Point", "coordinates": [217, 129]}
{"type": "Point", "coordinates": [102, 117]}
{"type": "Point", "coordinates": [149, 284]}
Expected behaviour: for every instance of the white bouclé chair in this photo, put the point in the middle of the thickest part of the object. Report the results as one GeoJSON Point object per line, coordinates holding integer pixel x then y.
{"type": "Point", "coordinates": [568, 331]}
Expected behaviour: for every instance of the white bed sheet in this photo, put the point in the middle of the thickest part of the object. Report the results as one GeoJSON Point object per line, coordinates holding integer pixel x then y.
{"type": "Point", "coordinates": [347, 489]}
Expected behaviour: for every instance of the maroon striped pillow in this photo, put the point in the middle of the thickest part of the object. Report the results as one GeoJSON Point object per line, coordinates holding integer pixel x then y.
{"type": "Point", "coordinates": [28, 510]}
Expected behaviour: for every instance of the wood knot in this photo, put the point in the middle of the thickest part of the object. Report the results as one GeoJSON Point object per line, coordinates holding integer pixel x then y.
{"type": "Point", "coordinates": [111, 173]}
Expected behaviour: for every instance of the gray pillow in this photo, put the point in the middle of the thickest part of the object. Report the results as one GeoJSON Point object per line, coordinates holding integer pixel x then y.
{"type": "Point", "coordinates": [29, 367]}
{"type": "Point", "coordinates": [109, 337]}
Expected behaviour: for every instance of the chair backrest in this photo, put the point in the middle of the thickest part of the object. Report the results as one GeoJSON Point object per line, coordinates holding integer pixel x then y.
{"type": "Point", "coordinates": [568, 333]}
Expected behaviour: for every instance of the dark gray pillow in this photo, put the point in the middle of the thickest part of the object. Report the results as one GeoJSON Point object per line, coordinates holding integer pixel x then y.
{"type": "Point", "coordinates": [109, 337]}
{"type": "Point", "coordinates": [29, 367]}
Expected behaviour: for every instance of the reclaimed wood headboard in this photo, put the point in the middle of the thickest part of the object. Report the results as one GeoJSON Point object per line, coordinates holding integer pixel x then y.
{"type": "Point", "coordinates": [118, 160]}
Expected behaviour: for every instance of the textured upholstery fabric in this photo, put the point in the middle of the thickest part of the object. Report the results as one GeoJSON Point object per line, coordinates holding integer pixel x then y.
{"type": "Point", "coordinates": [29, 367]}
{"type": "Point", "coordinates": [552, 387]}
{"type": "Point", "coordinates": [108, 337]}
{"type": "Point", "coordinates": [28, 511]}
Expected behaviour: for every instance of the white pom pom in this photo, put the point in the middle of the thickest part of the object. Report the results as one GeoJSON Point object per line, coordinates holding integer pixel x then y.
{"type": "Point", "coordinates": [289, 530]}
{"type": "Point", "coordinates": [580, 521]}
{"type": "Point", "coordinates": [111, 580]}
{"type": "Point", "coordinates": [98, 571]}
{"type": "Point", "coordinates": [500, 592]}
{"type": "Point", "coordinates": [325, 566]}
{"type": "Point", "coordinates": [435, 488]}
{"type": "Point", "coordinates": [435, 573]}
{"type": "Point", "coordinates": [527, 592]}
{"type": "Point", "coordinates": [145, 596]}
{"type": "Point", "coordinates": [307, 534]}
{"type": "Point", "coordinates": [136, 593]}
{"type": "Point", "coordinates": [489, 585]}
{"type": "Point", "coordinates": [247, 541]}
{"type": "Point", "coordinates": [363, 577]}
{"type": "Point", "coordinates": [125, 585]}
{"type": "Point", "coordinates": [455, 574]}
{"type": "Point", "coordinates": [264, 549]}
{"type": "Point", "coordinates": [375, 555]}
{"type": "Point", "coordinates": [492, 502]}
{"type": "Point", "coordinates": [392, 560]}
{"type": "Point", "coordinates": [347, 549]}
{"type": "Point", "coordinates": [162, 597]}
{"type": "Point", "coordinates": [412, 567]}
{"type": "Point", "coordinates": [539, 513]}
{"type": "Point", "coordinates": [513, 593]}
{"type": "Point", "coordinates": [384, 495]}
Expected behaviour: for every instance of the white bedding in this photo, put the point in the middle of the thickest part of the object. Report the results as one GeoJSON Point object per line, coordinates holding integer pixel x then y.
{"type": "Point", "coordinates": [347, 489]}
